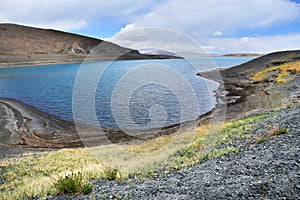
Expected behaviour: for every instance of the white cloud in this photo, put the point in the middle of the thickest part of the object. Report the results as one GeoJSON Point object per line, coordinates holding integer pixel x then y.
{"type": "Point", "coordinates": [68, 14]}
{"type": "Point", "coordinates": [201, 18]}
{"type": "Point", "coordinates": [256, 44]}
{"type": "Point", "coordinates": [217, 33]}
{"type": "Point", "coordinates": [156, 38]}
{"type": "Point", "coordinates": [204, 17]}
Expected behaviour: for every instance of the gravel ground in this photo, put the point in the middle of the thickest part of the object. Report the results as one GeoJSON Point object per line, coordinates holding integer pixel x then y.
{"type": "Point", "coordinates": [268, 170]}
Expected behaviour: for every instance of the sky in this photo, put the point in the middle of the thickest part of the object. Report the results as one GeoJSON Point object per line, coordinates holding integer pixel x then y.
{"type": "Point", "coordinates": [227, 26]}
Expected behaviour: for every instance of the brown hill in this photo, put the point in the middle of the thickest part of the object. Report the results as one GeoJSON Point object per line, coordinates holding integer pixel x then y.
{"type": "Point", "coordinates": [28, 40]}
{"type": "Point", "coordinates": [22, 45]}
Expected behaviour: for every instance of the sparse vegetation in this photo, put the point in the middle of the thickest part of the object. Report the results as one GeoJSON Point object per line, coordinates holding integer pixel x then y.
{"type": "Point", "coordinates": [30, 176]}
{"type": "Point", "coordinates": [276, 131]}
{"type": "Point", "coordinates": [279, 74]}
{"type": "Point", "coordinates": [286, 58]}
{"type": "Point", "coordinates": [226, 135]}
{"type": "Point", "coordinates": [262, 139]}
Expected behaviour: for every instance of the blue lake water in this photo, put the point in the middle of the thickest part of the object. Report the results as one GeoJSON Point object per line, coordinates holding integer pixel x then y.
{"type": "Point", "coordinates": [125, 94]}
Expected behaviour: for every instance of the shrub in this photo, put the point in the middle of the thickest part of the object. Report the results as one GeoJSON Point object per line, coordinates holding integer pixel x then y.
{"type": "Point", "coordinates": [72, 184]}
{"type": "Point", "coordinates": [111, 173]}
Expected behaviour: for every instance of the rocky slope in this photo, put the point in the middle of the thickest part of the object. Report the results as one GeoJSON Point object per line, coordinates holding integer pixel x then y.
{"type": "Point", "coordinates": [268, 170]}
{"type": "Point", "coordinates": [267, 82]}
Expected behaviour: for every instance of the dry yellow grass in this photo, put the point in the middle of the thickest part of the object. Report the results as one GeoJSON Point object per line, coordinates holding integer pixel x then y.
{"type": "Point", "coordinates": [34, 174]}
{"type": "Point", "coordinates": [282, 73]}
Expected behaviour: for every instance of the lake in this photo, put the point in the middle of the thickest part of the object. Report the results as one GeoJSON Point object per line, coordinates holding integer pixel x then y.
{"type": "Point", "coordinates": [125, 94]}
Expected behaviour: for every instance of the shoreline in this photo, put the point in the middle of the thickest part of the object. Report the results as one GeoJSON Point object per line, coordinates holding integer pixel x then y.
{"type": "Point", "coordinates": [31, 128]}
{"type": "Point", "coordinates": [28, 60]}
{"type": "Point", "coordinates": [62, 127]}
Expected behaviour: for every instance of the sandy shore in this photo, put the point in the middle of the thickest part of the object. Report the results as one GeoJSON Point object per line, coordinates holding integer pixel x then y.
{"type": "Point", "coordinates": [20, 60]}
{"type": "Point", "coordinates": [23, 127]}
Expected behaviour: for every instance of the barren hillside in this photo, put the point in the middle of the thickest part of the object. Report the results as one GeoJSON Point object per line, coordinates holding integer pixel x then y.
{"type": "Point", "coordinates": [22, 45]}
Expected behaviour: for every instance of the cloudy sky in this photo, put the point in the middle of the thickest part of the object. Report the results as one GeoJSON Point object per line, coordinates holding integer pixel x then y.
{"type": "Point", "coordinates": [225, 26]}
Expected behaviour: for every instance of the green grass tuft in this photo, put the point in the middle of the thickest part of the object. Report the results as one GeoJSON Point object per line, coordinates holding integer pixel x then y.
{"type": "Point", "coordinates": [274, 131]}
{"type": "Point", "coordinates": [111, 173]}
{"type": "Point", "coordinates": [73, 183]}
{"type": "Point", "coordinates": [280, 131]}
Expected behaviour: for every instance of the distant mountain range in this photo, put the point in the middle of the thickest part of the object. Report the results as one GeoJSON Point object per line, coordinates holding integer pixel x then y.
{"type": "Point", "coordinates": [244, 54]}
{"type": "Point", "coordinates": [52, 46]}
{"type": "Point", "coordinates": [157, 52]}
{"type": "Point", "coordinates": [196, 54]}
